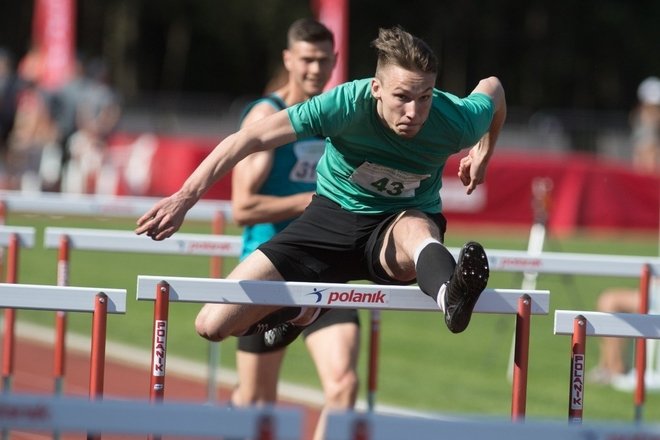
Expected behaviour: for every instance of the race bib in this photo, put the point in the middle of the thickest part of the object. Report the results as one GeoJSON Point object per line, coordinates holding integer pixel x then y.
{"type": "Point", "coordinates": [308, 153]}
{"type": "Point", "coordinates": [387, 182]}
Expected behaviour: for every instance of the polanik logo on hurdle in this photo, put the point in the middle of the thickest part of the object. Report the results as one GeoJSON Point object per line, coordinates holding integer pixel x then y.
{"type": "Point", "coordinates": [350, 297]}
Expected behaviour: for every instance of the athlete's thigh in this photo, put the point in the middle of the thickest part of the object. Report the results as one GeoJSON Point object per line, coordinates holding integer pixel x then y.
{"type": "Point", "coordinates": [404, 234]}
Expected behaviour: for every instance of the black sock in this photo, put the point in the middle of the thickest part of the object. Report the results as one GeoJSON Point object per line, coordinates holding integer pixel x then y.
{"type": "Point", "coordinates": [435, 266]}
{"type": "Point", "coordinates": [273, 320]}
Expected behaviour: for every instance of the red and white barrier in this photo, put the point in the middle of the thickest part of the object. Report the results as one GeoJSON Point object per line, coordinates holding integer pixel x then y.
{"type": "Point", "coordinates": [37, 413]}
{"type": "Point", "coordinates": [163, 289]}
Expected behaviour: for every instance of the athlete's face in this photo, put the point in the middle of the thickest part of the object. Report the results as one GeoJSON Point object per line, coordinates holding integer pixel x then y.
{"type": "Point", "coordinates": [310, 65]}
{"type": "Point", "coordinates": [403, 98]}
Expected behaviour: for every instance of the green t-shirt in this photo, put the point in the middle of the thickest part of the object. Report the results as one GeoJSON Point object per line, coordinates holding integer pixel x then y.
{"type": "Point", "coordinates": [366, 167]}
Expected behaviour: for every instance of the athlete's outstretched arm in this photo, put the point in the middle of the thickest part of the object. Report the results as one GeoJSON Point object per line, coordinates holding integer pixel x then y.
{"type": "Point", "coordinates": [472, 168]}
{"type": "Point", "coordinates": [167, 215]}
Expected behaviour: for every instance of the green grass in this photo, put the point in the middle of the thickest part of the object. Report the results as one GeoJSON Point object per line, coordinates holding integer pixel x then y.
{"type": "Point", "coordinates": [422, 366]}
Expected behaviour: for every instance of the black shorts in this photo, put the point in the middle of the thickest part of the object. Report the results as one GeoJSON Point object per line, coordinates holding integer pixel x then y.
{"type": "Point", "coordinates": [329, 244]}
{"type": "Point", "coordinates": [255, 343]}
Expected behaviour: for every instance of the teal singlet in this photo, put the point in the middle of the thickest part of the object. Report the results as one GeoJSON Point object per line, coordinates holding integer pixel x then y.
{"type": "Point", "coordinates": [293, 171]}
{"type": "Point", "coordinates": [367, 168]}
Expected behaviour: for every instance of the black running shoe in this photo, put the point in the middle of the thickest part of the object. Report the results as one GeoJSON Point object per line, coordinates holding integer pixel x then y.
{"type": "Point", "coordinates": [463, 289]}
{"type": "Point", "coordinates": [284, 334]}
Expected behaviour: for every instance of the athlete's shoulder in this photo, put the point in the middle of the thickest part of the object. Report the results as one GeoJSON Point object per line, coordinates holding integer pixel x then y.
{"type": "Point", "coordinates": [443, 99]}
{"type": "Point", "coordinates": [262, 107]}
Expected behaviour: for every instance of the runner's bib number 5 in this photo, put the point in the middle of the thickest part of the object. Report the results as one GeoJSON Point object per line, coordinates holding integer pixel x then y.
{"type": "Point", "coordinates": [387, 182]}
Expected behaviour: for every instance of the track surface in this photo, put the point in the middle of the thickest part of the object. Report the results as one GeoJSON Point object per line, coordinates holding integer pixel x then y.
{"type": "Point", "coordinates": [33, 373]}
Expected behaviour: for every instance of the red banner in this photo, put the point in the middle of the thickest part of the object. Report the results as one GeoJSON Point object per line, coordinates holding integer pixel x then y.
{"type": "Point", "coordinates": [583, 192]}
{"type": "Point", "coordinates": [53, 34]}
{"type": "Point", "coordinates": [334, 14]}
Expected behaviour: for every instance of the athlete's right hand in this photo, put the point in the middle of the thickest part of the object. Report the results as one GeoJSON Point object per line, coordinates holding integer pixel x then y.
{"type": "Point", "coordinates": [164, 218]}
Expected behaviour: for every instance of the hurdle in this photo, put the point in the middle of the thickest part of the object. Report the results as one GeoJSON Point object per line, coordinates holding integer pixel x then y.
{"type": "Point", "coordinates": [581, 324]}
{"type": "Point", "coordinates": [356, 426]}
{"type": "Point", "coordinates": [98, 301]}
{"type": "Point", "coordinates": [162, 290]}
{"type": "Point", "coordinates": [29, 412]}
{"type": "Point", "coordinates": [641, 267]}
{"type": "Point", "coordinates": [14, 238]}
{"type": "Point", "coordinates": [127, 241]}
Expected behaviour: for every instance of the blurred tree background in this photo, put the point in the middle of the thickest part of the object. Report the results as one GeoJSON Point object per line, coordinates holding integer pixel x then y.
{"type": "Point", "coordinates": [563, 54]}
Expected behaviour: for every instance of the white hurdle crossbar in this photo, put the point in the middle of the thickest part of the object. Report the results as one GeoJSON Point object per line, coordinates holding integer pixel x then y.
{"type": "Point", "coordinates": [70, 414]}
{"type": "Point", "coordinates": [100, 205]}
{"type": "Point", "coordinates": [24, 234]}
{"type": "Point", "coordinates": [374, 426]}
{"type": "Point", "coordinates": [626, 325]}
{"type": "Point", "coordinates": [64, 298]}
{"type": "Point", "coordinates": [568, 263]}
{"type": "Point", "coordinates": [354, 296]}
{"type": "Point", "coordinates": [128, 241]}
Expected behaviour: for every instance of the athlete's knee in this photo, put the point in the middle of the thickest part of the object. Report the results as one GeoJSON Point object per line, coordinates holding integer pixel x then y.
{"type": "Point", "coordinates": [341, 390]}
{"type": "Point", "coordinates": [250, 396]}
{"type": "Point", "coordinates": [415, 223]}
{"type": "Point", "coordinates": [618, 300]}
{"type": "Point", "coordinates": [208, 325]}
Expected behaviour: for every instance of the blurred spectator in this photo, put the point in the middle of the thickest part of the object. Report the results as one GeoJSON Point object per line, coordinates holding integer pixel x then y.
{"type": "Point", "coordinates": [9, 89]}
{"type": "Point", "coordinates": [34, 128]}
{"type": "Point", "coordinates": [645, 121]}
{"type": "Point", "coordinates": [64, 104]}
{"type": "Point", "coordinates": [97, 116]}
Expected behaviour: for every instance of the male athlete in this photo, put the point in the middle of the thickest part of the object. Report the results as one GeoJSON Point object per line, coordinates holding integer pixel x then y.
{"type": "Point", "coordinates": [377, 212]}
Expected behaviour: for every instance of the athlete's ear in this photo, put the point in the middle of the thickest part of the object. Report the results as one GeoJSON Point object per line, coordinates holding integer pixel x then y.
{"type": "Point", "coordinates": [376, 88]}
{"type": "Point", "coordinates": [286, 59]}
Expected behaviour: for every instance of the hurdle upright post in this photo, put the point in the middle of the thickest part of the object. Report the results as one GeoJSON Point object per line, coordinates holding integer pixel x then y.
{"type": "Point", "coordinates": [576, 385]}
{"type": "Point", "coordinates": [361, 429]}
{"type": "Point", "coordinates": [374, 348]}
{"type": "Point", "coordinates": [60, 316]}
{"type": "Point", "coordinates": [521, 358]}
{"type": "Point", "coordinates": [159, 344]}
{"type": "Point", "coordinates": [8, 346]}
{"type": "Point", "coordinates": [218, 228]}
{"type": "Point", "coordinates": [99, 329]}
{"type": "Point", "coordinates": [266, 428]}
{"type": "Point", "coordinates": [97, 358]}
{"type": "Point", "coordinates": [640, 344]}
